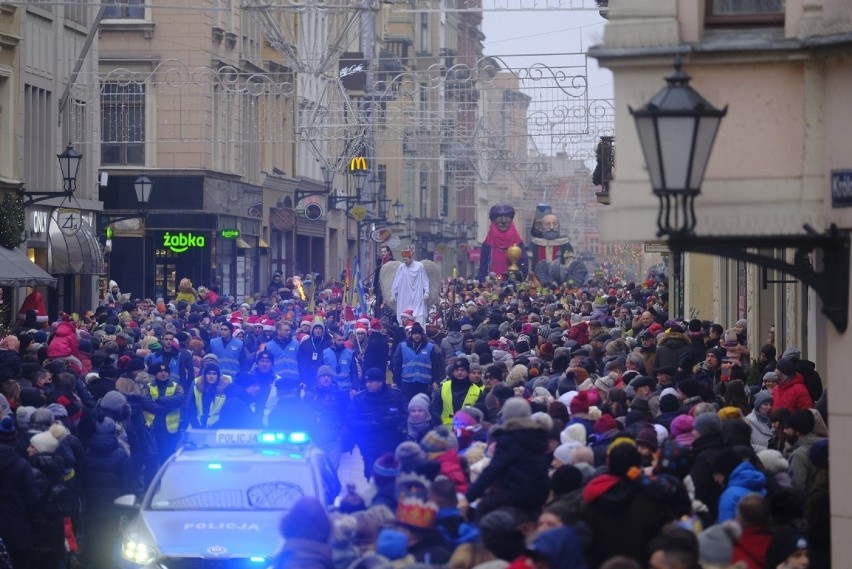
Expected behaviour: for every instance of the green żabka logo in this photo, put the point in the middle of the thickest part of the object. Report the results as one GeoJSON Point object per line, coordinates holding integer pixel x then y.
{"type": "Point", "coordinates": [183, 242]}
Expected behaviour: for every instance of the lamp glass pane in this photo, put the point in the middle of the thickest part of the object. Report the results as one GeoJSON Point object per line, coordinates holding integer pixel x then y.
{"type": "Point", "coordinates": [676, 149]}
{"type": "Point", "coordinates": [707, 128]}
{"type": "Point", "coordinates": [646, 128]}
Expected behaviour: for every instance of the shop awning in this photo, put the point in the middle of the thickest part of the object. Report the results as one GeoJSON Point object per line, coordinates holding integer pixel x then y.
{"type": "Point", "coordinates": [262, 244]}
{"type": "Point", "coordinates": [241, 243]}
{"type": "Point", "coordinates": [17, 270]}
{"type": "Point", "coordinates": [75, 254]}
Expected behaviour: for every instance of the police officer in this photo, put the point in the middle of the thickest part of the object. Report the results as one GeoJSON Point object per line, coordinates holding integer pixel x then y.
{"type": "Point", "coordinates": [161, 405]}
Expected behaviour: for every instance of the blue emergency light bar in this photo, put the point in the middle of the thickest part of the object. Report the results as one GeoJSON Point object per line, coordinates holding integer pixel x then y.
{"type": "Point", "coordinates": [243, 438]}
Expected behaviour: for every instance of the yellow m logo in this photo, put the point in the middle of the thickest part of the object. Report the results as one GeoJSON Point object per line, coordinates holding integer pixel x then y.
{"type": "Point", "coordinates": [359, 163]}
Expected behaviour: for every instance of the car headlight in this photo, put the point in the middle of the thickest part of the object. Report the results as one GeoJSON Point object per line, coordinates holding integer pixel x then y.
{"type": "Point", "coordinates": [138, 551]}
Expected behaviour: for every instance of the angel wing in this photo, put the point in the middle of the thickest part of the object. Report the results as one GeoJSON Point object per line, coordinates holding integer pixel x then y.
{"type": "Point", "coordinates": [434, 272]}
{"type": "Point", "coordinates": [386, 276]}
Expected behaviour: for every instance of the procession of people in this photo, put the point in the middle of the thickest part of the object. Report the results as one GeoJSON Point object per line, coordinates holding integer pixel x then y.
{"type": "Point", "coordinates": [508, 425]}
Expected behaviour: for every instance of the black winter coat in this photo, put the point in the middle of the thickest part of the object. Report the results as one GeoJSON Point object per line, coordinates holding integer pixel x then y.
{"type": "Point", "coordinates": [373, 417]}
{"type": "Point", "coordinates": [671, 349]}
{"type": "Point", "coordinates": [236, 412]}
{"type": "Point", "coordinates": [19, 500]}
{"type": "Point", "coordinates": [705, 449]}
{"type": "Point", "coordinates": [518, 473]}
{"type": "Point", "coordinates": [48, 523]}
{"type": "Point", "coordinates": [377, 353]}
{"type": "Point", "coordinates": [329, 405]}
{"type": "Point", "coordinates": [10, 365]}
{"type": "Point", "coordinates": [108, 472]}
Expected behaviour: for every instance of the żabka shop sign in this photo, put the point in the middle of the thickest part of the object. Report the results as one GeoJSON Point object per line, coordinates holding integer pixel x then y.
{"type": "Point", "coordinates": [183, 242]}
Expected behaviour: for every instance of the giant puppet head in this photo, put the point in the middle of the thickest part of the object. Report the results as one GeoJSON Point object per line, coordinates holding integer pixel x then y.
{"type": "Point", "coordinates": [502, 214]}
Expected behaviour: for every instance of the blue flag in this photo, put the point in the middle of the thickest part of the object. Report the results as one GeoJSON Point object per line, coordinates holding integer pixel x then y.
{"type": "Point", "coordinates": [359, 286]}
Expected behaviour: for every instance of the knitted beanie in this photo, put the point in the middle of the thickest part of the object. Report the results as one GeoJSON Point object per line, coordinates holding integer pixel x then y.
{"type": "Point", "coordinates": [439, 439]}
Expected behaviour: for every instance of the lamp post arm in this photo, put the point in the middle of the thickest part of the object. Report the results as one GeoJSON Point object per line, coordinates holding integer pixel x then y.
{"type": "Point", "coordinates": [833, 289]}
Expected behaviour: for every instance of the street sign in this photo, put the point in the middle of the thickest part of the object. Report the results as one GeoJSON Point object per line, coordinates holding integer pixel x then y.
{"type": "Point", "coordinates": [657, 248]}
{"type": "Point", "coordinates": [313, 211]}
{"type": "Point", "coordinates": [69, 220]}
{"type": "Point", "coordinates": [841, 188]}
{"type": "Point", "coordinates": [381, 235]}
{"type": "Point", "coordinates": [358, 213]}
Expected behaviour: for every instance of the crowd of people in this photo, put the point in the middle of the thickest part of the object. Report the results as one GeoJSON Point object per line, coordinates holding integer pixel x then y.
{"type": "Point", "coordinates": [520, 428]}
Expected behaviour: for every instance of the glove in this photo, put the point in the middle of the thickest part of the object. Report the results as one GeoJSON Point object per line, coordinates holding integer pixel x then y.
{"type": "Point", "coordinates": [425, 296]}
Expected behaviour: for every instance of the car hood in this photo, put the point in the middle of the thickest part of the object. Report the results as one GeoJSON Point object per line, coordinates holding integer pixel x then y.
{"type": "Point", "coordinates": [212, 534]}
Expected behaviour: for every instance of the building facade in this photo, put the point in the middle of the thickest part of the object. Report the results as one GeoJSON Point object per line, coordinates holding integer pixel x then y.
{"type": "Point", "coordinates": [783, 71]}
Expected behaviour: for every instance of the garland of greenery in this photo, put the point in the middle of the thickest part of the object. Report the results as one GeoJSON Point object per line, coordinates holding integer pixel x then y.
{"type": "Point", "coordinates": [12, 221]}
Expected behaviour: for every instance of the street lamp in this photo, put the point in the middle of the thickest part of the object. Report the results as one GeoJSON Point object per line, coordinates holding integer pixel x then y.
{"type": "Point", "coordinates": [397, 210]}
{"type": "Point", "coordinates": [143, 186]}
{"type": "Point", "coordinates": [327, 177]}
{"type": "Point", "coordinates": [360, 176]}
{"type": "Point", "coordinates": [677, 128]}
{"type": "Point", "coordinates": [69, 163]}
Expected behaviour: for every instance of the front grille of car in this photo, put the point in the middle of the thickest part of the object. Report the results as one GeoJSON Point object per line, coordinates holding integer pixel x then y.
{"type": "Point", "coordinates": [197, 563]}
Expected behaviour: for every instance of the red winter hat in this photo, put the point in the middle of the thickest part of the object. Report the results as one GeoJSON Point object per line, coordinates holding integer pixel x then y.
{"type": "Point", "coordinates": [376, 325]}
{"type": "Point", "coordinates": [605, 423]}
{"type": "Point", "coordinates": [580, 403]}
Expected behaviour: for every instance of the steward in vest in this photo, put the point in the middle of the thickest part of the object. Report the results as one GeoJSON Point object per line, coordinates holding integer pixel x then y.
{"type": "Point", "coordinates": [310, 352]}
{"type": "Point", "coordinates": [456, 392]}
{"type": "Point", "coordinates": [161, 406]}
{"type": "Point", "coordinates": [204, 404]}
{"type": "Point", "coordinates": [284, 349]}
{"type": "Point", "coordinates": [417, 364]}
{"type": "Point", "coordinates": [228, 349]}
{"type": "Point", "coordinates": [341, 360]}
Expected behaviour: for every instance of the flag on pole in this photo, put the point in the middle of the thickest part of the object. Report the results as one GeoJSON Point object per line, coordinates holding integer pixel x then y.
{"type": "Point", "coordinates": [347, 288]}
{"type": "Point", "coordinates": [312, 304]}
{"type": "Point", "coordinates": [358, 289]}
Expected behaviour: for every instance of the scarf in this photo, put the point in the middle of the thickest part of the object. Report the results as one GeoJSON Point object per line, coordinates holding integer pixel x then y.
{"type": "Point", "coordinates": [416, 430]}
{"type": "Point", "coordinates": [499, 242]}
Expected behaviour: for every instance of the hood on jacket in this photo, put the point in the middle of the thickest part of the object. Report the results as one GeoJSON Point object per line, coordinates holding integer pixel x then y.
{"type": "Point", "coordinates": [675, 340]}
{"type": "Point", "coordinates": [747, 476]}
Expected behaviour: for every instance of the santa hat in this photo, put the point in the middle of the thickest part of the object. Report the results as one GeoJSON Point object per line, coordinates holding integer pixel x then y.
{"type": "Point", "coordinates": [360, 328]}
{"type": "Point", "coordinates": [408, 313]}
{"type": "Point", "coordinates": [34, 301]}
{"type": "Point", "coordinates": [364, 321]}
{"type": "Point", "coordinates": [376, 325]}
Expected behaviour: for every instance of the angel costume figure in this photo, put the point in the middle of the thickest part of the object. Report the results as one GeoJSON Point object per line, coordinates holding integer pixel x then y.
{"type": "Point", "coordinates": [410, 288]}
{"type": "Point", "coordinates": [501, 235]}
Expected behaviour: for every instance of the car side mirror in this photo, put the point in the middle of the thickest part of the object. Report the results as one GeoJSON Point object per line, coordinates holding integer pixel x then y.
{"type": "Point", "coordinates": [127, 501]}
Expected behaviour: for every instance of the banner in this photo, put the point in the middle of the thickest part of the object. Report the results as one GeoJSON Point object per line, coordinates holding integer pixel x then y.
{"type": "Point", "coordinates": [359, 287]}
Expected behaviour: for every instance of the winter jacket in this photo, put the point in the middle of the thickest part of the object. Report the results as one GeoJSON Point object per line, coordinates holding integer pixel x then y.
{"type": "Point", "coordinates": [19, 500]}
{"type": "Point", "coordinates": [329, 406]}
{"type": "Point", "coordinates": [705, 449]}
{"type": "Point", "coordinates": [707, 377]}
{"type": "Point", "coordinates": [377, 353]}
{"type": "Point", "coordinates": [48, 523]}
{"type": "Point", "coordinates": [10, 365]}
{"type": "Point", "coordinates": [308, 365]}
{"type": "Point", "coordinates": [671, 349]}
{"type": "Point", "coordinates": [745, 479]}
{"type": "Point", "coordinates": [451, 468]}
{"type": "Point", "coordinates": [622, 518]}
{"type": "Point", "coordinates": [452, 344]}
{"type": "Point", "coordinates": [695, 354]}
{"type": "Point", "coordinates": [751, 547]}
{"type": "Point", "coordinates": [760, 432]}
{"type": "Point", "coordinates": [792, 394]}
{"type": "Point", "coordinates": [518, 472]}
{"type": "Point", "coordinates": [64, 342]}
{"type": "Point", "coordinates": [237, 412]}
{"type": "Point", "coordinates": [304, 554]}
{"type": "Point", "coordinates": [108, 472]}
{"type": "Point", "coordinates": [373, 417]}
{"type": "Point", "coordinates": [454, 529]}
{"type": "Point", "coordinates": [802, 470]}
{"type": "Point", "coordinates": [812, 379]}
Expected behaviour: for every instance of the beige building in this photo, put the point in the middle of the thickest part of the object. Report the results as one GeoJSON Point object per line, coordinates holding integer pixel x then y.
{"type": "Point", "coordinates": [777, 164]}
{"type": "Point", "coordinates": [40, 44]}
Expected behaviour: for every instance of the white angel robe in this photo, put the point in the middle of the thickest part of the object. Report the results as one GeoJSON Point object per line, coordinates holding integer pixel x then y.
{"type": "Point", "coordinates": [410, 289]}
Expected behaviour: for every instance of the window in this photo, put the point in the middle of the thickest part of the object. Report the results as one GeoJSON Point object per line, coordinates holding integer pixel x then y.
{"type": "Point", "coordinates": [76, 11]}
{"type": "Point", "coordinates": [745, 12]}
{"type": "Point", "coordinates": [424, 181]}
{"type": "Point", "coordinates": [123, 124]}
{"type": "Point", "coordinates": [424, 32]}
{"type": "Point", "coordinates": [39, 151]}
{"type": "Point", "coordinates": [124, 10]}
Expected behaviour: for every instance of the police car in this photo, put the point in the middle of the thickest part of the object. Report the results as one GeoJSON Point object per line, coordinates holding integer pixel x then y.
{"type": "Point", "coordinates": [217, 502]}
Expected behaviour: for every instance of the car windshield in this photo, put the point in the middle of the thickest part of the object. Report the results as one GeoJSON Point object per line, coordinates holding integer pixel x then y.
{"type": "Point", "coordinates": [232, 485]}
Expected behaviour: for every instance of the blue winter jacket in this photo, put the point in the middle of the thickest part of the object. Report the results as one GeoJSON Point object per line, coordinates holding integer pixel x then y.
{"type": "Point", "coordinates": [744, 479]}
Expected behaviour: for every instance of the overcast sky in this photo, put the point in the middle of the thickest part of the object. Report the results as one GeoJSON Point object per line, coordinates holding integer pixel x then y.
{"type": "Point", "coordinates": [516, 33]}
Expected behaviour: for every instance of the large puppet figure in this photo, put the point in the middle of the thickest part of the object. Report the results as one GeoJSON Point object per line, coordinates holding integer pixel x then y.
{"type": "Point", "coordinates": [501, 235]}
{"type": "Point", "coordinates": [411, 284]}
{"type": "Point", "coordinates": [551, 254]}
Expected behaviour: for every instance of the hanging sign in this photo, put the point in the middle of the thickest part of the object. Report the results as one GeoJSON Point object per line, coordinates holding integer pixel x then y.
{"type": "Point", "coordinates": [230, 233]}
{"type": "Point", "coordinates": [69, 220]}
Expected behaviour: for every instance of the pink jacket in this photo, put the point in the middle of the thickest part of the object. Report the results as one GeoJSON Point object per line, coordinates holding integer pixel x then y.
{"type": "Point", "coordinates": [64, 342]}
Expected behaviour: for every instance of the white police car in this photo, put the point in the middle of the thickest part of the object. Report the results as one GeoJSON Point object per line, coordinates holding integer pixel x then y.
{"type": "Point", "coordinates": [217, 502]}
